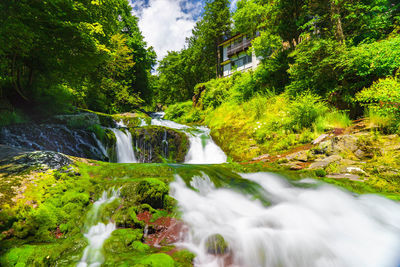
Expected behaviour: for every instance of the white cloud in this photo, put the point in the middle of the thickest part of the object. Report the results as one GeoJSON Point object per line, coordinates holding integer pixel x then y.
{"type": "Point", "coordinates": [166, 24]}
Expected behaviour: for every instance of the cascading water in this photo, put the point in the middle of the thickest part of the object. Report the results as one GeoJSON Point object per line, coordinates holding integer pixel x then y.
{"type": "Point", "coordinates": [306, 226]}
{"type": "Point", "coordinates": [165, 144]}
{"type": "Point", "coordinates": [97, 232]}
{"type": "Point", "coordinates": [124, 147]}
{"type": "Point", "coordinates": [53, 137]}
{"type": "Point", "coordinates": [203, 149]}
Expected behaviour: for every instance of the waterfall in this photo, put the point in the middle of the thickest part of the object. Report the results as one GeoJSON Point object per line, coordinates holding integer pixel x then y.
{"type": "Point", "coordinates": [53, 137]}
{"type": "Point", "coordinates": [97, 232]}
{"type": "Point", "coordinates": [100, 145]}
{"type": "Point", "coordinates": [124, 146]}
{"type": "Point", "coordinates": [203, 149]}
{"type": "Point", "coordinates": [313, 225]}
{"type": "Point", "coordinates": [165, 144]}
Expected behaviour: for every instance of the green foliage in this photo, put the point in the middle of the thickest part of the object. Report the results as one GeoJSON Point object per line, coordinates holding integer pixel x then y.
{"type": "Point", "coordinates": [305, 110]}
{"type": "Point", "coordinates": [11, 117]}
{"type": "Point", "coordinates": [383, 97]}
{"type": "Point", "coordinates": [331, 120]}
{"type": "Point", "coordinates": [82, 53]}
{"type": "Point", "coordinates": [180, 71]}
{"type": "Point", "coordinates": [178, 110]}
{"type": "Point", "coordinates": [314, 68]}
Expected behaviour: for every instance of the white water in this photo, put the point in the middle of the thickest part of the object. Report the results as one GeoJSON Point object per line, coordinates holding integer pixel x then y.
{"type": "Point", "coordinates": [97, 232]}
{"type": "Point", "coordinates": [100, 145]}
{"type": "Point", "coordinates": [124, 148]}
{"type": "Point", "coordinates": [203, 149]}
{"type": "Point", "coordinates": [314, 227]}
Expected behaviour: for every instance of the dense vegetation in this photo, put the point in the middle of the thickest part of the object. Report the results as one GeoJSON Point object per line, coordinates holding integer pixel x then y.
{"type": "Point", "coordinates": [180, 71]}
{"type": "Point", "coordinates": [322, 64]}
{"type": "Point", "coordinates": [59, 54]}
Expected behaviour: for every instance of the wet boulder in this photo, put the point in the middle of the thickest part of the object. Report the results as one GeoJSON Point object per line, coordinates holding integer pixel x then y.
{"type": "Point", "coordinates": [78, 120]}
{"type": "Point", "coordinates": [157, 144]}
{"type": "Point", "coordinates": [42, 160]}
{"type": "Point", "coordinates": [216, 245]}
{"type": "Point", "coordinates": [53, 137]}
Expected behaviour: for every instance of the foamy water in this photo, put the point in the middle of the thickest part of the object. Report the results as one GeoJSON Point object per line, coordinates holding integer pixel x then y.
{"type": "Point", "coordinates": [321, 226]}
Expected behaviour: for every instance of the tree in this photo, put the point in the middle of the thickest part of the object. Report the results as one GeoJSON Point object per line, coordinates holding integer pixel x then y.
{"type": "Point", "coordinates": [52, 50]}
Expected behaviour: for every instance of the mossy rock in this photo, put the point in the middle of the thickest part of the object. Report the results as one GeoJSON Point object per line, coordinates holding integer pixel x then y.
{"type": "Point", "coordinates": [216, 245]}
{"type": "Point", "coordinates": [77, 121]}
{"type": "Point", "coordinates": [110, 143]}
{"type": "Point", "coordinates": [147, 191]}
{"type": "Point", "coordinates": [158, 260]}
{"type": "Point", "coordinates": [133, 119]}
{"type": "Point", "coordinates": [184, 258]}
{"type": "Point", "coordinates": [124, 240]}
{"type": "Point", "coordinates": [157, 144]}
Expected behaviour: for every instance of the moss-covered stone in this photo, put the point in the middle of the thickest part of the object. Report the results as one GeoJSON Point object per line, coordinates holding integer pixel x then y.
{"type": "Point", "coordinates": [80, 120]}
{"type": "Point", "coordinates": [110, 143]}
{"type": "Point", "coordinates": [157, 144]}
{"type": "Point", "coordinates": [124, 240]}
{"type": "Point", "coordinates": [216, 245]}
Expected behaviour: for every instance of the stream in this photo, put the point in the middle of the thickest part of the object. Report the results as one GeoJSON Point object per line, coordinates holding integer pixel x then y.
{"type": "Point", "coordinates": [240, 220]}
{"type": "Point", "coordinates": [309, 224]}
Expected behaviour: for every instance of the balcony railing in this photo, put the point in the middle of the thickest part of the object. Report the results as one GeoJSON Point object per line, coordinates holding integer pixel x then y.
{"type": "Point", "coordinates": [238, 47]}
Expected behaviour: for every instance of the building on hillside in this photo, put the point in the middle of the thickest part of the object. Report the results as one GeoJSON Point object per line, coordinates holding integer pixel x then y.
{"type": "Point", "coordinates": [233, 55]}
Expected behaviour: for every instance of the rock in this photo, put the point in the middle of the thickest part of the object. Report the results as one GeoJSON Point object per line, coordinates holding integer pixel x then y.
{"type": "Point", "coordinates": [299, 156]}
{"type": "Point", "coordinates": [79, 120]}
{"type": "Point", "coordinates": [52, 137]}
{"type": "Point", "coordinates": [344, 143]}
{"type": "Point", "coordinates": [42, 160]}
{"type": "Point", "coordinates": [349, 176]}
{"type": "Point", "coordinates": [352, 169]}
{"type": "Point", "coordinates": [318, 165]}
{"type": "Point", "coordinates": [262, 157]}
{"type": "Point", "coordinates": [156, 143]}
{"type": "Point", "coordinates": [319, 139]}
{"type": "Point", "coordinates": [216, 245]}
{"type": "Point", "coordinates": [294, 165]}
{"type": "Point", "coordinates": [323, 163]}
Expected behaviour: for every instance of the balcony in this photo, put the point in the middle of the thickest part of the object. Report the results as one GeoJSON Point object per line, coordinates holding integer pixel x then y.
{"type": "Point", "coordinates": [238, 47]}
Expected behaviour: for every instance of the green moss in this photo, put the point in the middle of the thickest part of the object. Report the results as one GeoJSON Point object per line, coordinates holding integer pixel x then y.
{"type": "Point", "coordinates": [124, 240]}
{"type": "Point", "coordinates": [158, 260]}
{"type": "Point", "coordinates": [216, 245]}
{"type": "Point", "coordinates": [183, 258]}
{"type": "Point", "coordinates": [151, 144]}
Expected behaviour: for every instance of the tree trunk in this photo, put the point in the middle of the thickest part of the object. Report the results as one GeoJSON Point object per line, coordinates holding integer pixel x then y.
{"type": "Point", "coordinates": [337, 21]}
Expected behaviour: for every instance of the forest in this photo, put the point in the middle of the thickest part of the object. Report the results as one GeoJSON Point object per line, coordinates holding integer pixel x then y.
{"type": "Point", "coordinates": [114, 155]}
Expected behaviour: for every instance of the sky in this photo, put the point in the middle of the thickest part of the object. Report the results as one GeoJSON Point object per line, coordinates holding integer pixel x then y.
{"type": "Point", "coordinates": [165, 24]}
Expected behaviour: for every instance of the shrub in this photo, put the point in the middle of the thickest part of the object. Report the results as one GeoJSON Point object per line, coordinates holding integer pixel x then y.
{"type": "Point", "coordinates": [331, 120]}
{"type": "Point", "coordinates": [383, 97]}
{"type": "Point", "coordinates": [304, 111]}
{"type": "Point", "coordinates": [178, 110]}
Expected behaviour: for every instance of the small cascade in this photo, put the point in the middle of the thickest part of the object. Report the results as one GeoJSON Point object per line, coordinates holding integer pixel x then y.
{"type": "Point", "coordinates": [203, 149]}
{"type": "Point", "coordinates": [144, 150]}
{"type": "Point", "coordinates": [97, 232]}
{"type": "Point", "coordinates": [165, 144]}
{"type": "Point", "coordinates": [101, 146]}
{"type": "Point", "coordinates": [313, 225]}
{"type": "Point", "coordinates": [53, 137]}
{"type": "Point", "coordinates": [142, 122]}
{"type": "Point", "coordinates": [124, 146]}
